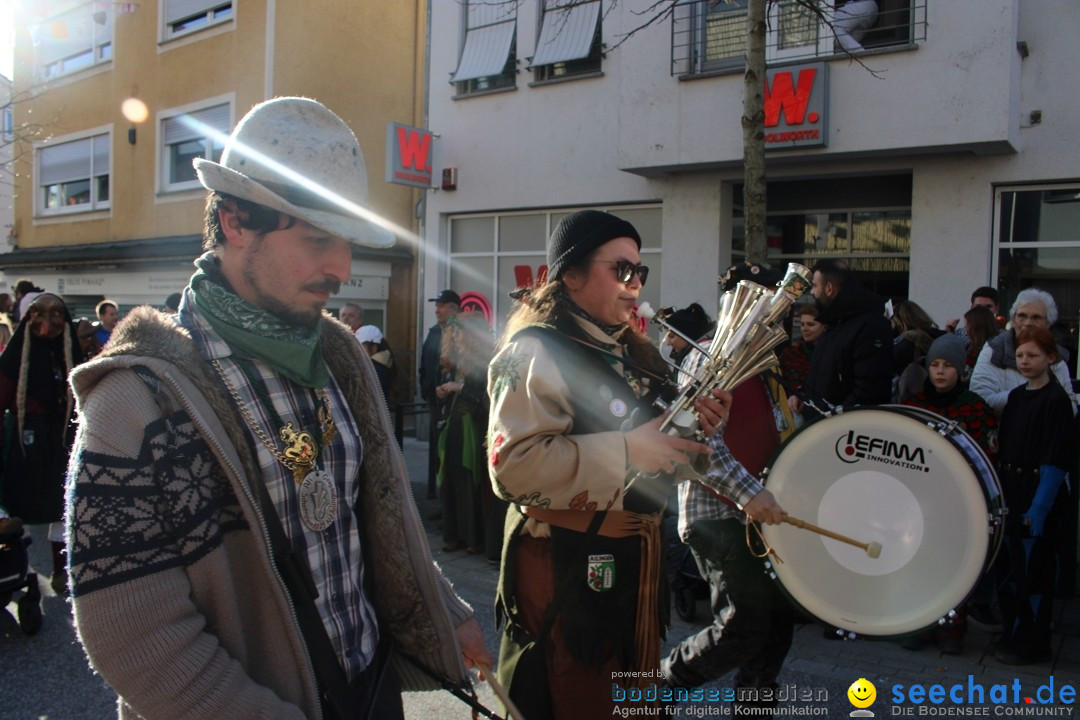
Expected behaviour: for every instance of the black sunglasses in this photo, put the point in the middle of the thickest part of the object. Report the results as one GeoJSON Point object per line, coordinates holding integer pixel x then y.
{"type": "Point", "coordinates": [626, 270]}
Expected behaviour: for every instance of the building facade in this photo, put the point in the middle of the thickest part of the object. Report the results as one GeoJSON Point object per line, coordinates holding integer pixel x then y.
{"type": "Point", "coordinates": [108, 204]}
{"type": "Point", "coordinates": [7, 170]}
{"type": "Point", "coordinates": [936, 156]}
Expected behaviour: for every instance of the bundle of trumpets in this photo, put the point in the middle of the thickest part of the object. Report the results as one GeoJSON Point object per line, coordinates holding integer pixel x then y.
{"type": "Point", "coordinates": [749, 327]}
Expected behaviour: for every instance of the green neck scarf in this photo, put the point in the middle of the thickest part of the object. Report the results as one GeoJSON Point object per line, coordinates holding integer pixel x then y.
{"type": "Point", "coordinates": [295, 352]}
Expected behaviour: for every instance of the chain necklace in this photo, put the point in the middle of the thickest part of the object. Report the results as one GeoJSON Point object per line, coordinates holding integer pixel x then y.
{"type": "Point", "coordinates": [318, 492]}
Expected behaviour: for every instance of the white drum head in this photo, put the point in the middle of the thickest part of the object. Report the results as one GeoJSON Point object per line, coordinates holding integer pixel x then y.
{"type": "Point", "coordinates": [878, 476]}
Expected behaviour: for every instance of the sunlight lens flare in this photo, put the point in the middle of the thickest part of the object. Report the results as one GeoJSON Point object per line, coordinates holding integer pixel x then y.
{"type": "Point", "coordinates": [134, 110]}
{"type": "Point", "coordinates": [325, 193]}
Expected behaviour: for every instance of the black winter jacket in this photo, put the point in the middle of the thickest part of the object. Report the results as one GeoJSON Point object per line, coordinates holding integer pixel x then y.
{"type": "Point", "coordinates": [852, 362]}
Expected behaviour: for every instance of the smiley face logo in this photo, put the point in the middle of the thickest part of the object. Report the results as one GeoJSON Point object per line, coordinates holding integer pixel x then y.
{"type": "Point", "coordinates": [862, 693]}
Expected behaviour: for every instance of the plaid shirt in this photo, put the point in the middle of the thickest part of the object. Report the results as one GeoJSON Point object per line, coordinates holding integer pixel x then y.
{"type": "Point", "coordinates": [726, 476]}
{"type": "Point", "coordinates": [333, 555]}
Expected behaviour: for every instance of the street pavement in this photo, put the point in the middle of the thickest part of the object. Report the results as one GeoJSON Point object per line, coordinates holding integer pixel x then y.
{"type": "Point", "coordinates": [46, 677]}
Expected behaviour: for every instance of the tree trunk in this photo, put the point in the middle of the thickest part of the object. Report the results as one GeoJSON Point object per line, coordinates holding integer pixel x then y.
{"type": "Point", "coordinates": [753, 126]}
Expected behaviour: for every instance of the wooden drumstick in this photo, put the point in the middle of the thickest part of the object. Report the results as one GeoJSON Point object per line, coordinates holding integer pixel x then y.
{"type": "Point", "coordinates": [873, 549]}
{"type": "Point", "coordinates": [500, 691]}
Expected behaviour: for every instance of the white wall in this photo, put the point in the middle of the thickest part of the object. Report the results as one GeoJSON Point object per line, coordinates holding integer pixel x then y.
{"type": "Point", "coordinates": [952, 112]}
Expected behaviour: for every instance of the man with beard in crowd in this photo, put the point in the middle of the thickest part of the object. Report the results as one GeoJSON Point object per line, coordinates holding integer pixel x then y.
{"type": "Point", "coordinates": [852, 363]}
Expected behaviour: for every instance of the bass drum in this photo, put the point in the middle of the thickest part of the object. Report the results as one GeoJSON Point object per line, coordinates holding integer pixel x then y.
{"type": "Point", "coordinates": [902, 477]}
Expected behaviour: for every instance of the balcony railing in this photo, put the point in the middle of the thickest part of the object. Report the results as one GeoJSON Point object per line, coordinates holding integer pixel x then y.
{"type": "Point", "coordinates": [710, 36]}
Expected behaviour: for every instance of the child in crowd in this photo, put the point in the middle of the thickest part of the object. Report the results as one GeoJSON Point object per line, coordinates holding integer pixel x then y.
{"type": "Point", "coordinates": [1036, 450]}
{"type": "Point", "coordinates": [944, 393]}
{"type": "Point", "coordinates": [795, 358]}
{"type": "Point", "coordinates": [981, 327]}
{"type": "Point", "coordinates": [382, 358]}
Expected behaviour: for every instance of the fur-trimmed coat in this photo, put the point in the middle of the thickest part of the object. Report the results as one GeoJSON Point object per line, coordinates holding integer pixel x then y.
{"type": "Point", "coordinates": [176, 599]}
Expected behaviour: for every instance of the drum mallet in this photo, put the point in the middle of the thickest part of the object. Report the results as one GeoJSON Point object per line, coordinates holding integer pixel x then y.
{"type": "Point", "coordinates": [499, 691]}
{"type": "Point", "coordinates": [873, 549]}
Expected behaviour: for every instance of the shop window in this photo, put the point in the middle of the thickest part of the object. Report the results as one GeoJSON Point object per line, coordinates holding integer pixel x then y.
{"type": "Point", "coordinates": [875, 243]}
{"type": "Point", "coordinates": [488, 58]}
{"type": "Point", "coordinates": [570, 41]}
{"type": "Point", "coordinates": [73, 175]}
{"type": "Point", "coordinates": [185, 136]}
{"type": "Point", "coordinates": [183, 17]}
{"type": "Point", "coordinates": [75, 40]}
{"type": "Point", "coordinates": [1037, 238]}
{"type": "Point", "coordinates": [710, 35]}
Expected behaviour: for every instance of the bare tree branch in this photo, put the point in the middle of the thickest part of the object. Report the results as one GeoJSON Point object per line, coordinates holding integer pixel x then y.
{"type": "Point", "coordinates": [657, 12]}
{"type": "Point", "coordinates": [24, 134]}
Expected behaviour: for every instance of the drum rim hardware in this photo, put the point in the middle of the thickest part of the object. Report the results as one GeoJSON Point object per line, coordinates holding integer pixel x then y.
{"type": "Point", "coordinates": [965, 467]}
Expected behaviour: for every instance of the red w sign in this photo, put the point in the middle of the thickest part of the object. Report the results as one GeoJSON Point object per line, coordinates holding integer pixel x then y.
{"type": "Point", "coordinates": [523, 277]}
{"type": "Point", "coordinates": [795, 102]}
{"type": "Point", "coordinates": [409, 155]}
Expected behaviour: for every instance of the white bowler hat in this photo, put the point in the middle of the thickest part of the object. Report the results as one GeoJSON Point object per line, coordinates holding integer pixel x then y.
{"type": "Point", "coordinates": [294, 155]}
{"type": "Point", "coordinates": [369, 333]}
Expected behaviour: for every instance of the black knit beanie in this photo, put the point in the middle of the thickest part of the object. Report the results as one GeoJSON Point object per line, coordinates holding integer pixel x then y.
{"type": "Point", "coordinates": [691, 321]}
{"type": "Point", "coordinates": [579, 234]}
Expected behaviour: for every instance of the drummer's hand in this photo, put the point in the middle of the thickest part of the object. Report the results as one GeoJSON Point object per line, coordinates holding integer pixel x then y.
{"type": "Point", "coordinates": [713, 411]}
{"type": "Point", "coordinates": [795, 403]}
{"type": "Point", "coordinates": [652, 451]}
{"type": "Point", "coordinates": [473, 649]}
{"type": "Point", "coordinates": [763, 508]}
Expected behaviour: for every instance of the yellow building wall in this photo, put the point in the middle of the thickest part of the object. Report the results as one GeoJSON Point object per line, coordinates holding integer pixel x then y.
{"type": "Point", "coordinates": [188, 70]}
{"type": "Point", "coordinates": [363, 58]}
{"type": "Point", "coordinates": [359, 58]}
{"type": "Point", "coordinates": [369, 69]}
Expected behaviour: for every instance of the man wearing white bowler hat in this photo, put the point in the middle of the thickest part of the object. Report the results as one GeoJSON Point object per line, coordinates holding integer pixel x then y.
{"type": "Point", "coordinates": [242, 538]}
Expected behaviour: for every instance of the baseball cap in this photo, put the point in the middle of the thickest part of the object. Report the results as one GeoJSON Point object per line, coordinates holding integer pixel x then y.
{"type": "Point", "coordinates": [446, 296]}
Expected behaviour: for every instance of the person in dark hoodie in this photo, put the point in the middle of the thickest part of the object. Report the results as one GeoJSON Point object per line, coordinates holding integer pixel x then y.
{"type": "Point", "coordinates": [41, 425]}
{"type": "Point", "coordinates": [693, 322]}
{"type": "Point", "coordinates": [853, 361]}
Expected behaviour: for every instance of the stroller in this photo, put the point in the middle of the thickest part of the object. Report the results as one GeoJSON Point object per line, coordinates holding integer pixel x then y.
{"type": "Point", "coordinates": [15, 576]}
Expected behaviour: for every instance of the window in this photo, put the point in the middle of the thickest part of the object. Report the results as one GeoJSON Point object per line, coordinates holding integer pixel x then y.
{"type": "Point", "coordinates": [795, 31]}
{"type": "Point", "coordinates": [711, 35]}
{"type": "Point", "coordinates": [1038, 245]}
{"type": "Point", "coordinates": [489, 54]}
{"type": "Point", "coordinates": [196, 133]}
{"type": "Point", "coordinates": [719, 35]}
{"type": "Point", "coordinates": [865, 221]}
{"type": "Point", "coordinates": [570, 40]}
{"type": "Point", "coordinates": [73, 176]}
{"type": "Point", "coordinates": [7, 123]}
{"type": "Point", "coordinates": [74, 40]}
{"type": "Point", "coordinates": [182, 17]}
